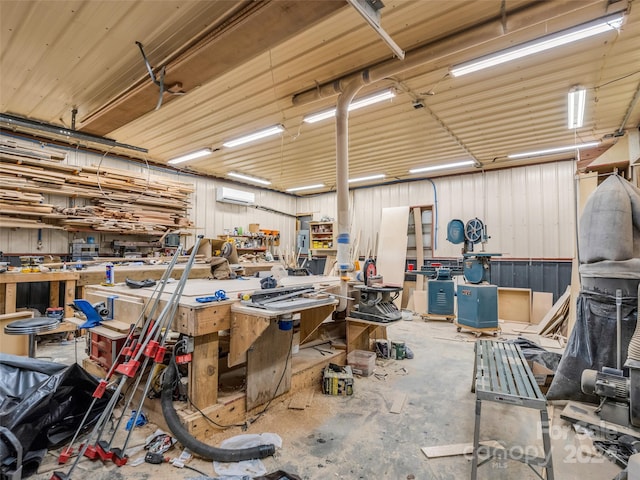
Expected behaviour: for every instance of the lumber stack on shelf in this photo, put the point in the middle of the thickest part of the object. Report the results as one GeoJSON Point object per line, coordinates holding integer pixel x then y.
{"type": "Point", "coordinates": [106, 199]}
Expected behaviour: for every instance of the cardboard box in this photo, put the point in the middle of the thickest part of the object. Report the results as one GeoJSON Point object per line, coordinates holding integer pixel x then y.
{"type": "Point", "coordinates": [254, 227]}
{"type": "Point", "coordinates": [542, 374]}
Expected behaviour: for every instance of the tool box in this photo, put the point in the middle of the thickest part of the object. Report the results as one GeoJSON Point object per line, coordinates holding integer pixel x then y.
{"type": "Point", "coordinates": [337, 380]}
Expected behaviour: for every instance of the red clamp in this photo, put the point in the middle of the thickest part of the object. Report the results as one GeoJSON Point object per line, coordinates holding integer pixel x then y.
{"type": "Point", "coordinates": [91, 453]}
{"type": "Point", "coordinates": [118, 457]}
{"type": "Point", "coordinates": [65, 455]}
{"type": "Point", "coordinates": [59, 476]}
{"type": "Point", "coordinates": [129, 368]}
{"type": "Point", "coordinates": [159, 358]}
{"type": "Point", "coordinates": [100, 389]}
{"type": "Point", "coordinates": [128, 350]}
{"type": "Point", "coordinates": [101, 449]}
{"type": "Point", "coordinates": [182, 359]}
{"type": "Point", "coordinates": [150, 349]}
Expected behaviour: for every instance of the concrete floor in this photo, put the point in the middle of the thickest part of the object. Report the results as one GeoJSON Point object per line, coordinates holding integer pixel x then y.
{"type": "Point", "coordinates": [356, 437]}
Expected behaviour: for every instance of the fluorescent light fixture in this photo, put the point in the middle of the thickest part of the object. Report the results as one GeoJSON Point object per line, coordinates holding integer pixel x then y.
{"type": "Point", "coordinates": [550, 151]}
{"type": "Point", "coordinates": [362, 102]}
{"type": "Point", "coordinates": [267, 132]}
{"type": "Point", "coordinates": [444, 166]}
{"type": "Point", "coordinates": [367, 178]}
{"type": "Point", "coordinates": [249, 178]}
{"type": "Point", "coordinates": [308, 187]}
{"type": "Point", "coordinates": [585, 30]}
{"type": "Point", "coordinates": [575, 104]}
{"type": "Point", "coordinates": [191, 156]}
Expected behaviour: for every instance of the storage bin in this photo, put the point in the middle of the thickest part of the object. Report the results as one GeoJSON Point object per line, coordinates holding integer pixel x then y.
{"type": "Point", "coordinates": [362, 362]}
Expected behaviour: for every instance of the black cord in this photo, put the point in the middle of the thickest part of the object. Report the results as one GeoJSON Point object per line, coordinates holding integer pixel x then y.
{"type": "Point", "coordinates": [197, 471]}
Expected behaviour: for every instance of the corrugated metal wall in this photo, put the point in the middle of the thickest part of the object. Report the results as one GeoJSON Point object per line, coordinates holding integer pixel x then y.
{"type": "Point", "coordinates": [529, 211]}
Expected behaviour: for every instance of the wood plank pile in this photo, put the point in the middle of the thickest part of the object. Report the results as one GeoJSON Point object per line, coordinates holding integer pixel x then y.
{"type": "Point", "coordinates": [555, 322]}
{"type": "Point", "coordinates": [118, 201]}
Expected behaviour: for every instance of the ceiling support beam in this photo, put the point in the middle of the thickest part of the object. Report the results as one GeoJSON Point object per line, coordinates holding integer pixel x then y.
{"type": "Point", "coordinates": [269, 23]}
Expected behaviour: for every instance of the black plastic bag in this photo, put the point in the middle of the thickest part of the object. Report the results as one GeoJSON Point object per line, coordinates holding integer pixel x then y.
{"type": "Point", "coordinates": [534, 352]}
{"type": "Point", "coordinates": [592, 343]}
{"type": "Point", "coordinates": [42, 404]}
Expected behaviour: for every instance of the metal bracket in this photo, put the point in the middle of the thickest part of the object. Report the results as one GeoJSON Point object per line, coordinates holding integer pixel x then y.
{"type": "Point", "coordinates": [175, 89]}
{"type": "Point", "coordinates": [370, 11]}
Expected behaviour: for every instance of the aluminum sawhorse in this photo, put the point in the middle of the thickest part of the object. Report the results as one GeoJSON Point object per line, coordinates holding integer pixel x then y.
{"type": "Point", "coordinates": [501, 374]}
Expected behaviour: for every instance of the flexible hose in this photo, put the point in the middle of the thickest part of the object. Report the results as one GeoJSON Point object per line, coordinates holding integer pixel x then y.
{"type": "Point", "coordinates": [193, 444]}
{"type": "Point", "coordinates": [634, 344]}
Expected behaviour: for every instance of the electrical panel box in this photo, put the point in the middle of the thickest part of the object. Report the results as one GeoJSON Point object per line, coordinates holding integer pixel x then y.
{"type": "Point", "coordinates": [441, 297]}
{"type": "Point", "coordinates": [478, 305]}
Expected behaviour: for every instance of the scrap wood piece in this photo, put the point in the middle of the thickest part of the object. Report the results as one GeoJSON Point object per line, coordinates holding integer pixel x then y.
{"type": "Point", "coordinates": [456, 449]}
{"type": "Point", "coordinates": [398, 403]}
{"type": "Point", "coordinates": [301, 400]}
{"type": "Point", "coordinates": [556, 314]}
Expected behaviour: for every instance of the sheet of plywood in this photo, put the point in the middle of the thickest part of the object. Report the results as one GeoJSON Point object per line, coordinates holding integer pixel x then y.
{"type": "Point", "coordinates": [541, 303]}
{"type": "Point", "coordinates": [420, 301]}
{"type": "Point", "coordinates": [392, 246]}
{"type": "Point", "coordinates": [455, 449]}
{"type": "Point", "coordinates": [269, 366]}
{"type": "Point", "coordinates": [417, 217]}
{"type": "Point", "coordinates": [245, 329]}
{"type": "Point", "coordinates": [514, 304]}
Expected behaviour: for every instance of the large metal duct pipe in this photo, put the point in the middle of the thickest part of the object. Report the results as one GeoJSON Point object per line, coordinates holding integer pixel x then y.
{"type": "Point", "coordinates": [347, 87]}
{"type": "Point", "coordinates": [342, 183]}
{"type": "Point", "coordinates": [534, 17]}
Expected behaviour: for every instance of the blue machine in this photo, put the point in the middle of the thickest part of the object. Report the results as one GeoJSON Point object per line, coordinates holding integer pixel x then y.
{"type": "Point", "coordinates": [477, 299]}
{"type": "Point", "coordinates": [478, 305]}
{"type": "Point", "coordinates": [441, 292]}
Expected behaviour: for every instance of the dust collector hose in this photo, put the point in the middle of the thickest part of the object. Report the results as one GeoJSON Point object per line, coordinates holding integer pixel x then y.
{"type": "Point", "coordinates": [634, 344]}
{"type": "Point", "coordinates": [193, 444]}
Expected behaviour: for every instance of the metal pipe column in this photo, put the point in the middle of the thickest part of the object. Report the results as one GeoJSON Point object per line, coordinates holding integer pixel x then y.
{"type": "Point", "coordinates": [342, 184]}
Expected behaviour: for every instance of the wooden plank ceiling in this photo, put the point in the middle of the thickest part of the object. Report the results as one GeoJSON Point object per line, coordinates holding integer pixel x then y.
{"type": "Point", "coordinates": [238, 64]}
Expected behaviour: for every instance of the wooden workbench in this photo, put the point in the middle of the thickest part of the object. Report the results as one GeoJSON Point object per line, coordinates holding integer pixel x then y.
{"type": "Point", "coordinates": [253, 334]}
{"type": "Point", "coordinates": [95, 274]}
{"type": "Point", "coordinates": [9, 285]}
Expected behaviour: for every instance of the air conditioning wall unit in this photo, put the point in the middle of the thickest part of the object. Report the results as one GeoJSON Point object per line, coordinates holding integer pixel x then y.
{"type": "Point", "coordinates": [231, 195]}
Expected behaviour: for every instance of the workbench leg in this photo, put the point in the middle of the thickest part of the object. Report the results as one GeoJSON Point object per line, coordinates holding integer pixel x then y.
{"type": "Point", "coordinates": [54, 294]}
{"type": "Point", "coordinates": [476, 442]}
{"type": "Point", "coordinates": [475, 369]}
{"type": "Point", "coordinates": [10, 298]}
{"type": "Point", "coordinates": [546, 441]}
{"type": "Point", "coordinates": [69, 297]}
{"type": "Point", "coordinates": [203, 371]}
